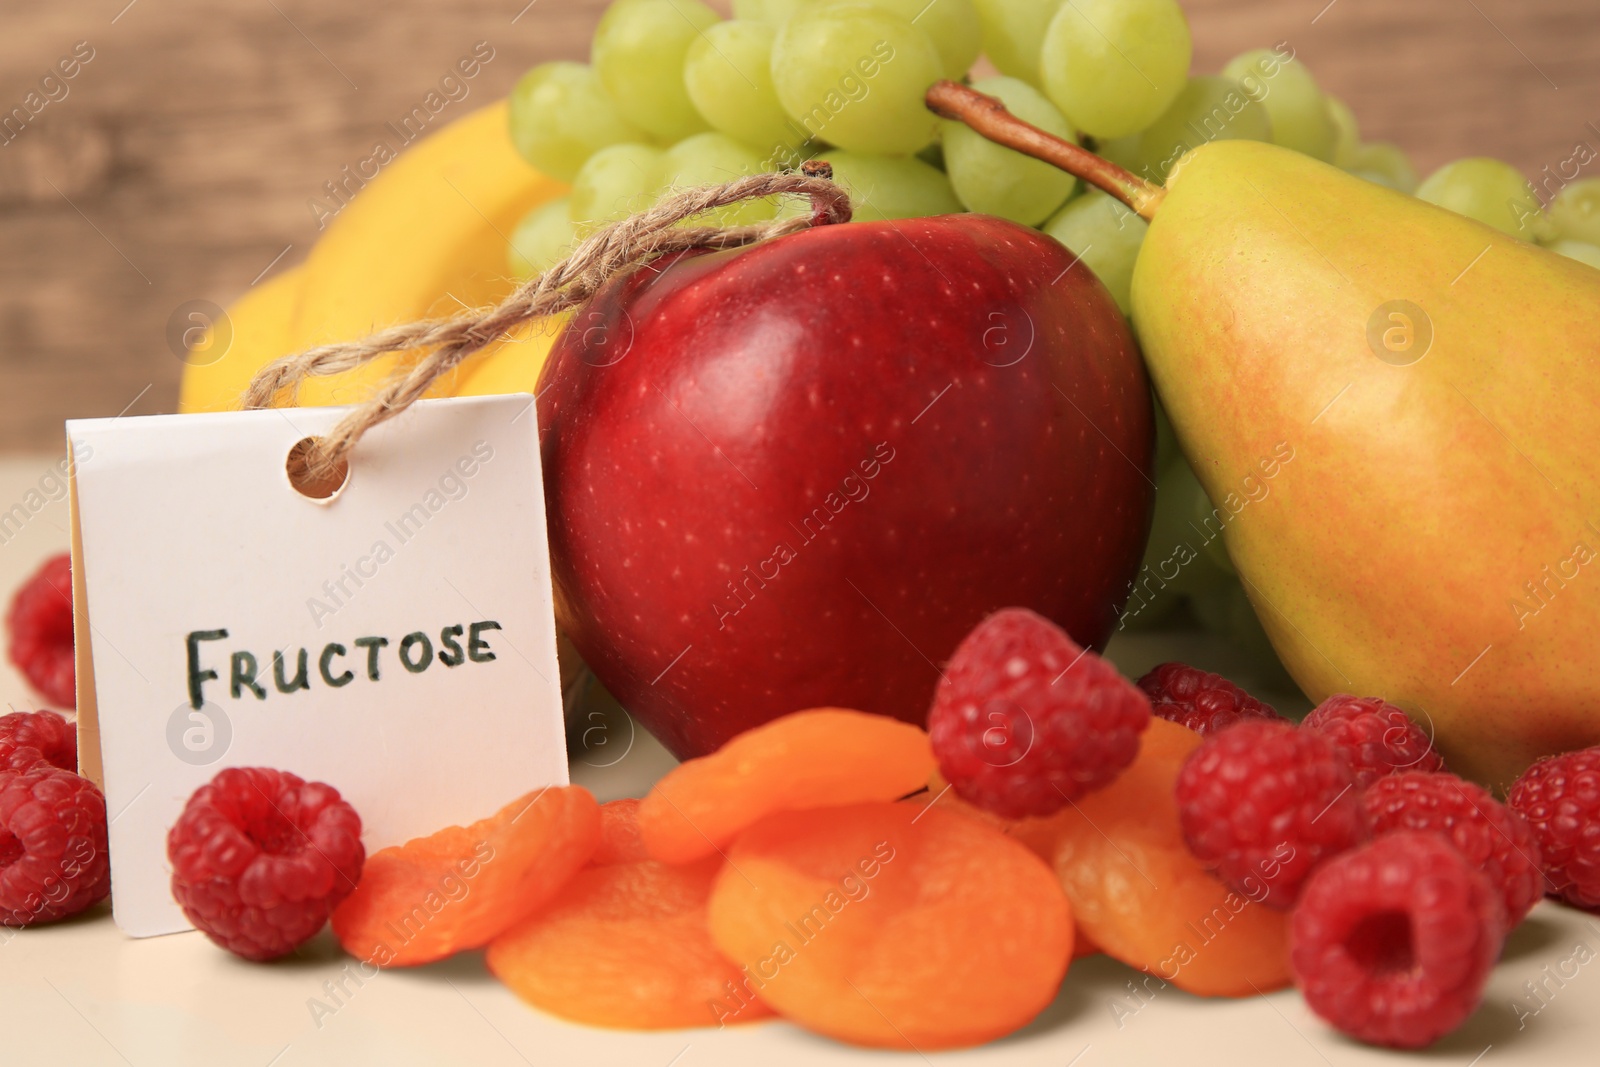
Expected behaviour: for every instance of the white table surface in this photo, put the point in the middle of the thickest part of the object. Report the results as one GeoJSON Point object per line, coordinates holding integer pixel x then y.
{"type": "Point", "coordinates": [80, 992]}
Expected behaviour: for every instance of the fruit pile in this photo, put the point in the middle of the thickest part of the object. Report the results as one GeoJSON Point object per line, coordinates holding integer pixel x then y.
{"type": "Point", "coordinates": [674, 96]}
{"type": "Point", "coordinates": [1178, 825]}
{"type": "Point", "coordinates": [1237, 851]}
{"type": "Point", "coordinates": [856, 875]}
{"type": "Point", "coordinates": [896, 888]}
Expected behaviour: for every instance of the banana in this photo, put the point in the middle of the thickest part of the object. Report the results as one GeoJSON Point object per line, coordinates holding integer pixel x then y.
{"type": "Point", "coordinates": [425, 238]}
{"type": "Point", "coordinates": [260, 322]}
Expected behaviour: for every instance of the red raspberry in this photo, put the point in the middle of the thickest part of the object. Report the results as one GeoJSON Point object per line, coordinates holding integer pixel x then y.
{"type": "Point", "coordinates": [1392, 942]}
{"type": "Point", "coordinates": [260, 859]}
{"type": "Point", "coordinates": [43, 734]}
{"type": "Point", "coordinates": [1560, 798]}
{"type": "Point", "coordinates": [53, 857]}
{"type": "Point", "coordinates": [1205, 703]}
{"type": "Point", "coordinates": [1376, 738]}
{"type": "Point", "coordinates": [40, 624]}
{"type": "Point", "coordinates": [1025, 721]}
{"type": "Point", "coordinates": [1491, 836]}
{"type": "Point", "coordinates": [1263, 804]}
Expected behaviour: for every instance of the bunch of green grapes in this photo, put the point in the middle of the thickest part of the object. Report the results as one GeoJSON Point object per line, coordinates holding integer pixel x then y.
{"type": "Point", "coordinates": [1563, 216]}
{"type": "Point", "coordinates": [674, 96]}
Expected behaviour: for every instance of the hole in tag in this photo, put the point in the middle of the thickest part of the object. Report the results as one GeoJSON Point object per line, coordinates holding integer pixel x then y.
{"type": "Point", "coordinates": [311, 476]}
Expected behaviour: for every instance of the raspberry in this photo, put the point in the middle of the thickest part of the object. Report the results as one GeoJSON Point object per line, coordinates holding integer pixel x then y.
{"type": "Point", "coordinates": [1560, 798]}
{"type": "Point", "coordinates": [1491, 836]}
{"type": "Point", "coordinates": [1392, 943]}
{"type": "Point", "coordinates": [260, 858]}
{"type": "Point", "coordinates": [1205, 703]}
{"type": "Point", "coordinates": [1376, 738]}
{"type": "Point", "coordinates": [1025, 721]}
{"type": "Point", "coordinates": [53, 858]}
{"type": "Point", "coordinates": [40, 624]}
{"type": "Point", "coordinates": [27, 736]}
{"type": "Point", "coordinates": [1263, 804]}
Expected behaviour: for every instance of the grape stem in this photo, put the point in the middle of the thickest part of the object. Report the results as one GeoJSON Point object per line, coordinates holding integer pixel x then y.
{"type": "Point", "coordinates": [989, 117]}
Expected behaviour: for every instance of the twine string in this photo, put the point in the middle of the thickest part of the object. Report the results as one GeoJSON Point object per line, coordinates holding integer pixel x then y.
{"type": "Point", "coordinates": [610, 251]}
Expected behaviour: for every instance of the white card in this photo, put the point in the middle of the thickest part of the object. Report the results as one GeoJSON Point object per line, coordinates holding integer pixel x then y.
{"type": "Point", "coordinates": [187, 525]}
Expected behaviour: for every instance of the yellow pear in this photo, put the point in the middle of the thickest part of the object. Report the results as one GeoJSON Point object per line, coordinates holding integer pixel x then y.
{"type": "Point", "coordinates": [1396, 411]}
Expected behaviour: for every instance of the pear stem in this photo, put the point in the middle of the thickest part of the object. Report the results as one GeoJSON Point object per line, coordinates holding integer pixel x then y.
{"type": "Point", "coordinates": [989, 117]}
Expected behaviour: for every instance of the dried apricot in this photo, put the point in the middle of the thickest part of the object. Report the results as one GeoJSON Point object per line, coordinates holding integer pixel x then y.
{"type": "Point", "coordinates": [892, 925]}
{"type": "Point", "coordinates": [1083, 945]}
{"type": "Point", "coordinates": [619, 834]}
{"type": "Point", "coordinates": [811, 759]}
{"type": "Point", "coordinates": [454, 890]}
{"type": "Point", "coordinates": [625, 946]}
{"type": "Point", "coordinates": [1139, 893]}
{"type": "Point", "coordinates": [940, 793]}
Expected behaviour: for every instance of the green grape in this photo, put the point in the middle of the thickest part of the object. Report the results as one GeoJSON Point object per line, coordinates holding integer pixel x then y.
{"type": "Point", "coordinates": [542, 239]}
{"type": "Point", "coordinates": [1347, 135]}
{"type": "Point", "coordinates": [854, 75]}
{"type": "Point", "coordinates": [1208, 109]}
{"type": "Point", "coordinates": [729, 77]}
{"type": "Point", "coordinates": [616, 182]}
{"type": "Point", "coordinates": [639, 50]}
{"type": "Point", "coordinates": [952, 26]}
{"type": "Point", "coordinates": [1113, 66]}
{"type": "Point", "coordinates": [1378, 177]}
{"type": "Point", "coordinates": [1493, 192]}
{"type": "Point", "coordinates": [1384, 163]}
{"type": "Point", "coordinates": [1106, 235]}
{"type": "Point", "coordinates": [561, 115]}
{"type": "Point", "coordinates": [1167, 452]}
{"type": "Point", "coordinates": [1581, 251]}
{"type": "Point", "coordinates": [1209, 521]}
{"type": "Point", "coordinates": [1228, 613]}
{"type": "Point", "coordinates": [892, 187]}
{"type": "Point", "coordinates": [1294, 103]}
{"type": "Point", "coordinates": [1000, 181]}
{"type": "Point", "coordinates": [715, 159]}
{"type": "Point", "coordinates": [1123, 151]}
{"type": "Point", "coordinates": [1144, 613]}
{"type": "Point", "coordinates": [1575, 212]}
{"type": "Point", "coordinates": [773, 12]}
{"type": "Point", "coordinates": [1176, 552]}
{"type": "Point", "coordinates": [1013, 33]}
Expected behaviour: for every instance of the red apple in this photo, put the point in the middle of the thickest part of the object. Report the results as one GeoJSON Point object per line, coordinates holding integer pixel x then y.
{"type": "Point", "coordinates": [795, 475]}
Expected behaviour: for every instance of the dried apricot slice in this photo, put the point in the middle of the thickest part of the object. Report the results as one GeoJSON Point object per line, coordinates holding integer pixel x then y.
{"type": "Point", "coordinates": [626, 946]}
{"type": "Point", "coordinates": [810, 759]}
{"type": "Point", "coordinates": [454, 890]}
{"type": "Point", "coordinates": [941, 794]}
{"type": "Point", "coordinates": [892, 925]}
{"type": "Point", "coordinates": [1139, 893]}
{"type": "Point", "coordinates": [1083, 945]}
{"type": "Point", "coordinates": [619, 834]}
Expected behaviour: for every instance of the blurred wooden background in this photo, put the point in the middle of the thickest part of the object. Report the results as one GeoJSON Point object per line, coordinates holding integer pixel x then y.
{"type": "Point", "coordinates": [180, 164]}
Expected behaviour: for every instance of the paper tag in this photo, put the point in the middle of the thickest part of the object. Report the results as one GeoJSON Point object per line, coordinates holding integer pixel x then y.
{"type": "Point", "coordinates": [396, 641]}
